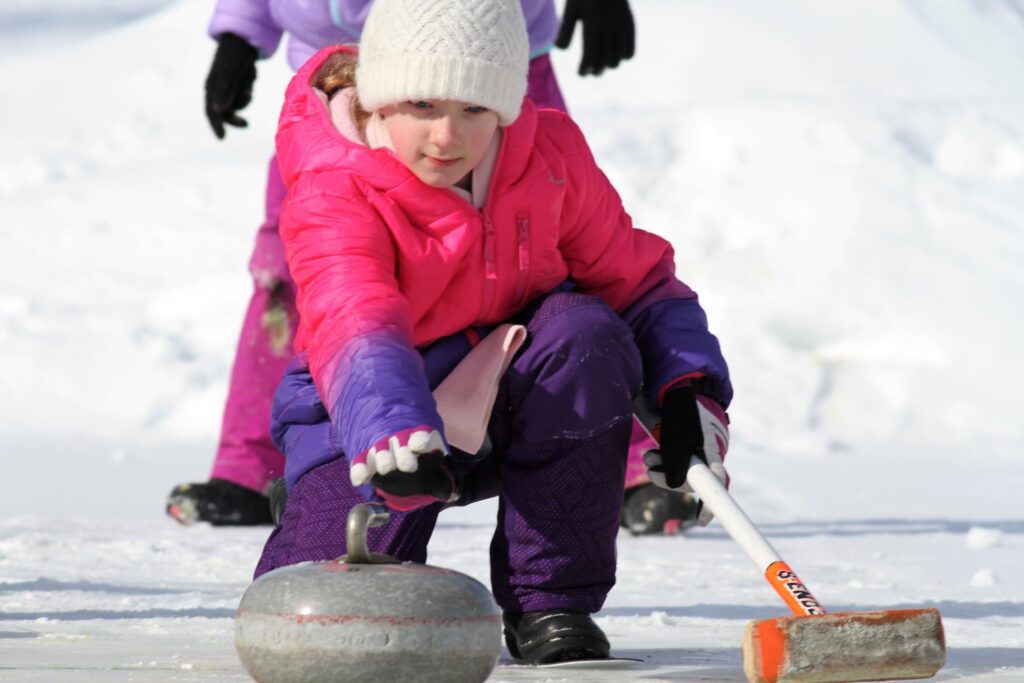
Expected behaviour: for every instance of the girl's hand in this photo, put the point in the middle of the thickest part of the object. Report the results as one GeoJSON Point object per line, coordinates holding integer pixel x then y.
{"type": "Point", "coordinates": [408, 469]}
{"type": "Point", "coordinates": [691, 425]}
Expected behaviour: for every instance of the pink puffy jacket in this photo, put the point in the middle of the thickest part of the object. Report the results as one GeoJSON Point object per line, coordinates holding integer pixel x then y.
{"type": "Point", "coordinates": [385, 263]}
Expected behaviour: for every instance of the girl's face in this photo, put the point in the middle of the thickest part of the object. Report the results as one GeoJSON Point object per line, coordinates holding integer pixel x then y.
{"type": "Point", "coordinates": [440, 141]}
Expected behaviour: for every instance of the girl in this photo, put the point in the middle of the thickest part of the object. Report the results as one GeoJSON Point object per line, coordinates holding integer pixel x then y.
{"type": "Point", "coordinates": [428, 202]}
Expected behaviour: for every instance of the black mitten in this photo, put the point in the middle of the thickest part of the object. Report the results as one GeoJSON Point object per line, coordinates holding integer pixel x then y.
{"type": "Point", "coordinates": [229, 83]}
{"type": "Point", "coordinates": [608, 32]}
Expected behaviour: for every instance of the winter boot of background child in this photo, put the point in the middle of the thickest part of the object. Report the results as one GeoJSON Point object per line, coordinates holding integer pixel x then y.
{"type": "Point", "coordinates": [219, 502]}
{"type": "Point", "coordinates": [649, 509]}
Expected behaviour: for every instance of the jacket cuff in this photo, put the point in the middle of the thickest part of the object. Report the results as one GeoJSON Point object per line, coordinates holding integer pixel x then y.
{"type": "Point", "coordinates": [681, 381]}
{"type": "Point", "coordinates": [255, 32]}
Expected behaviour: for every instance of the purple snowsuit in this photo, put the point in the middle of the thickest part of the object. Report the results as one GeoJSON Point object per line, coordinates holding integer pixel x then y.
{"type": "Point", "coordinates": [560, 430]}
{"type": "Point", "coordinates": [246, 455]}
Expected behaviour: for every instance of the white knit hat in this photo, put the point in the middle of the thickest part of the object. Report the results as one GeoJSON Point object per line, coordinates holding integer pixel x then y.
{"type": "Point", "coordinates": [474, 51]}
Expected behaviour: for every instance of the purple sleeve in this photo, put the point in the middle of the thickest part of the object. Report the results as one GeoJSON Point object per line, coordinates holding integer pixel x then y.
{"type": "Point", "coordinates": [382, 389]}
{"type": "Point", "coordinates": [541, 25]}
{"type": "Point", "coordinates": [249, 19]}
{"type": "Point", "coordinates": [254, 21]}
{"type": "Point", "coordinates": [385, 391]}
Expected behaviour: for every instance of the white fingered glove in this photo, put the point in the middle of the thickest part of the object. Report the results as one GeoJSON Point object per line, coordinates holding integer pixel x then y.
{"type": "Point", "coordinates": [399, 452]}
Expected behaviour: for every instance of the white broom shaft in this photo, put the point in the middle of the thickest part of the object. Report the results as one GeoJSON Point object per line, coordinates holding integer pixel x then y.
{"type": "Point", "coordinates": [706, 485]}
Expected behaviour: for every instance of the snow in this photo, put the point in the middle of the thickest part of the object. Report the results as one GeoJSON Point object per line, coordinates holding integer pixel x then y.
{"type": "Point", "coordinates": [844, 184]}
{"type": "Point", "coordinates": [981, 537]}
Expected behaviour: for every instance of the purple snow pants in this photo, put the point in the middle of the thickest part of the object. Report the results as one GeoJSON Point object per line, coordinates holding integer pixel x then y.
{"type": "Point", "coordinates": [246, 455]}
{"type": "Point", "coordinates": [560, 429]}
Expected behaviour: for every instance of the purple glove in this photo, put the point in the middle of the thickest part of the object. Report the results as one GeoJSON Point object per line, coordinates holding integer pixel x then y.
{"type": "Point", "coordinates": [407, 469]}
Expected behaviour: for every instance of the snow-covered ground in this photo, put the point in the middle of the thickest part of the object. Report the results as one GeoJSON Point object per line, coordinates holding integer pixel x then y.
{"type": "Point", "coordinates": [844, 183]}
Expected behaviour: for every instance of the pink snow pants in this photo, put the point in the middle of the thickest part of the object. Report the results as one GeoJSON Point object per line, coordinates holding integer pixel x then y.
{"type": "Point", "coordinates": [246, 455]}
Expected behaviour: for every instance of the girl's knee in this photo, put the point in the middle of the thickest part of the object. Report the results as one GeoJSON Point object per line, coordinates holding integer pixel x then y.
{"type": "Point", "coordinates": [585, 329]}
{"type": "Point", "coordinates": [579, 373]}
{"type": "Point", "coordinates": [556, 308]}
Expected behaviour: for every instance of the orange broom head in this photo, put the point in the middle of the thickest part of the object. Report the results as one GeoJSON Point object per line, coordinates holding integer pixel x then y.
{"type": "Point", "coordinates": [846, 646]}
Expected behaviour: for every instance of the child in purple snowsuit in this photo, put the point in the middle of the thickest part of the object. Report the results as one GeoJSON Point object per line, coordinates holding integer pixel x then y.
{"type": "Point", "coordinates": [429, 202]}
{"type": "Point", "coordinates": [246, 460]}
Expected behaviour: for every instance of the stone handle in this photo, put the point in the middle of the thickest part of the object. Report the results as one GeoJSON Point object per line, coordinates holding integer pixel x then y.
{"type": "Point", "coordinates": [361, 518]}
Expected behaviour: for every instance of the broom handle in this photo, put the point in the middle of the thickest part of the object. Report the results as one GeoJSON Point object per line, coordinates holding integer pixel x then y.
{"type": "Point", "coordinates": [747, 536]}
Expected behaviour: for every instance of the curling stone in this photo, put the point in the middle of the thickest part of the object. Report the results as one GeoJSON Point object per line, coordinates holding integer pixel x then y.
{"type": "Point", "coordinates": [367, 617]}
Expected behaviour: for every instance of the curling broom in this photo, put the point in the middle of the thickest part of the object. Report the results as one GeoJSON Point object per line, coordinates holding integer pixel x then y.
{"type": "Point", "coordinates": [814, 646]}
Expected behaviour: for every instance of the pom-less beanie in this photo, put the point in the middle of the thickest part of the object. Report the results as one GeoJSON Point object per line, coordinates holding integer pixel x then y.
{"type": "Point", "coordinates": [474, 51]}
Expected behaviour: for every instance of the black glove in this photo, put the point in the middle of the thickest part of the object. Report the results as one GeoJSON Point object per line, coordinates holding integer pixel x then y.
{"type": "Point", "coordinates": [681, 435]}
{"type": "Point", "coordinates": [229, 83]}
{"type": "Point", "coordinates": [608, 32]}
{"type": "Point", "coordinates": [691, 425]}
{"type": "Point", "coordinates": [432, 479]}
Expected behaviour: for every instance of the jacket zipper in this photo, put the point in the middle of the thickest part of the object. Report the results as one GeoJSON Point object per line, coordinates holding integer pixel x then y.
{"type": "Point", "coordinates": [490, 265]}
{"type": "Point", "coordinates": [490, 259]}
{"type": "Point", "coordinates": [523, 255]}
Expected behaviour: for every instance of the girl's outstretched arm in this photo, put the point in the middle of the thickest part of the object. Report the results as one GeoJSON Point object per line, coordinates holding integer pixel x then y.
{"type": "Point", "coordinates": [356, 323]}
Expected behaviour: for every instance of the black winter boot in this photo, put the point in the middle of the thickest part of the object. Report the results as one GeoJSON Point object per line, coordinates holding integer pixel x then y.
{"type": "Point", "coordinates": [219, 502]}
{"type": "Point", "coordinates": [553, 635]}
{"type": "Point", "coordinates": [650, 509]}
